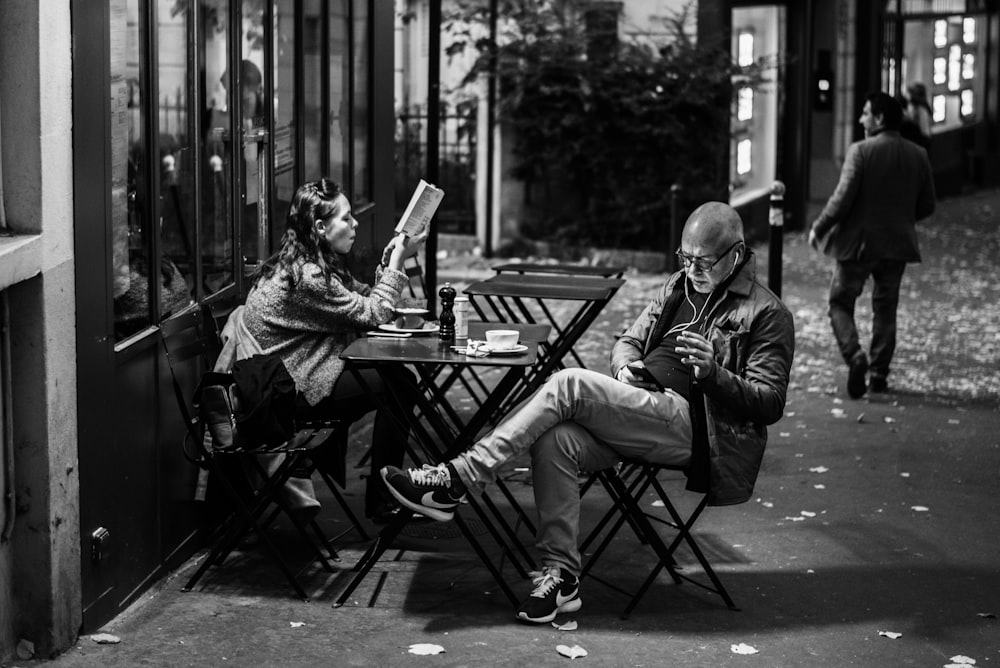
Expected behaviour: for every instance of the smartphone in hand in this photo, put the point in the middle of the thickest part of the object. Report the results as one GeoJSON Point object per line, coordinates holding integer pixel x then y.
{"type": "Point", "coordinates": [641, 371]}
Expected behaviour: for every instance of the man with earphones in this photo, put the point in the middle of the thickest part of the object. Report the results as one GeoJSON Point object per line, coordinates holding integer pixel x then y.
{"type": "Point", "coordinates": [694, 382]}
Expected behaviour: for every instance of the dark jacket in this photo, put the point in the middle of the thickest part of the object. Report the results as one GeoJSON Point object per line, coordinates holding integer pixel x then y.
{"type": "Point", "coordinates": [886, 185]}
{"type": "Point", "coordinates": [754, 340]}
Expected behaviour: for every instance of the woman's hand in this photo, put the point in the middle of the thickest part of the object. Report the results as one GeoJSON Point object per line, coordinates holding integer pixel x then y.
{"type": "Point", "coordinates": [697, 353]}
{"type": "Point", "coordinates": [401, 247]}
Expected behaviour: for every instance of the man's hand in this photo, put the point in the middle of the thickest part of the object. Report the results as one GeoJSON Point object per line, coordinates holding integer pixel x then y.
{"type": "Point", "coordinates": [627, 376]}
{"type": "Point", "coordinates": [697, 353]}
{"type": "Point", "coordinates": [813, 239]}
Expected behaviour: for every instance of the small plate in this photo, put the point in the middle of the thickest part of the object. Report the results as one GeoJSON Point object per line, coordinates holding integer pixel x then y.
{"type": "Point", "coordinates": [516, 350]}
{"type": "Point", "coordinates": [428, 328]}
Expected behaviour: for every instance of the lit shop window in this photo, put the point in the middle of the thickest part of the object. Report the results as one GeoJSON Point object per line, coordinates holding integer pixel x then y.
{"type": "Point", "coordinates": [938, 105]}
{"type": "Point", "coordinates": [744, 49]}
{"type": "Point", "coordinates": [940, 70]}
{"type": "Point", "coordinates": [969, 30]}
{"type": "Point", "coordinates": [743, 156]}
{"type": "Point", "coordinates": [968, 102]}
{"type": "Point", "coordinates": [941, 34]}
{"type": "Point", "coordinates": [744, 104]}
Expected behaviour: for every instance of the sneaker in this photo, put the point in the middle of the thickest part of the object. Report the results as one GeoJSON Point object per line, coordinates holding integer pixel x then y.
{"type": "Point", "coordinates": [428, 490]}
{"type": "Point", "coordinates": [556, 590]}
{"type": "Point", "coordinates": [857, 384]}
{"type": "Point", "coordinates": [878, 384]}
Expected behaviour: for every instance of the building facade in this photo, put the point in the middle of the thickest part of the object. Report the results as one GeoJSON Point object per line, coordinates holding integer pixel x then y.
{"type": "Point", "coordinates": [150, 150]}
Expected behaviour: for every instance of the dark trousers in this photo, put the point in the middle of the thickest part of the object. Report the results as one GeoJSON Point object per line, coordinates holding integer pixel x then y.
{"type": "Point", "coordinates": [349, 402]}
{"type": "Point", "coordinates": [848, 281]}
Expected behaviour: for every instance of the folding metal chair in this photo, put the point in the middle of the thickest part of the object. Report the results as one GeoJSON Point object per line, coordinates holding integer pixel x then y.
{"type": "Point", "coordinates": [253, 504]}
{"type": "Point", "coordinates": [626, 485]}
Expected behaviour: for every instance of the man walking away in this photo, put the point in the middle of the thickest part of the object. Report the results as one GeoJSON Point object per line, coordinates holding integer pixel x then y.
{"type": "Point", "coordinates": [869, 227]}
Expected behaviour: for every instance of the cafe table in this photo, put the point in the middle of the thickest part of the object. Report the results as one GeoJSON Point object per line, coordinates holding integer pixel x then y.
{"type": "Point", "coordinates": [440, 435]}
{"type": "Point", "coordinates": [506, 298]}
{"type": "Point", "coordinates": [564, 268]}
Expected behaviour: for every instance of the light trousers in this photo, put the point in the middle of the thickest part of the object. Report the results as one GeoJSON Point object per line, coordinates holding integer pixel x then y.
{"type": "Point", "coordinates": [578, 421]}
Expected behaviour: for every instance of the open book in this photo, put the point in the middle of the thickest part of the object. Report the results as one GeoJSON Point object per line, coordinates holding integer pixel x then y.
{"type": "Point", "coordinates": [417, 215]}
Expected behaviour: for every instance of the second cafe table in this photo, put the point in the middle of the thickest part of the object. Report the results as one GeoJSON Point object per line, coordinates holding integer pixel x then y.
{"type": "Point", "coordinates": [427, 354]}
{"type": "Point", "coordinates": [506, 296]}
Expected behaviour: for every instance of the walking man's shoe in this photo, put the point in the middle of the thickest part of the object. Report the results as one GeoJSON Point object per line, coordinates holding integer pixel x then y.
{"type": "Point", "coordinates": [878, 384]}
{"type": "Point", "coordinates": [430, 490]}
{"type": "Point", "coordinates": [857, 384]}
{"type": "Point", "coordinates": [556, 590]}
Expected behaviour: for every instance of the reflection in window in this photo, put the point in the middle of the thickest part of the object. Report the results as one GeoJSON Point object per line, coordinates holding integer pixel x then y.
{"type": "Point", "coordinates": [217, 234]}
{"type": "Point", "coordinates": [744, 104]}
{"type": "Point", "coordinates": [743, 156]}
{"type": "Point", "coordinates": [968, 103]}
{"type": "Point", "coordinates": [285, 134]}
{"type": "Point", "coordinates": [176, 210]}
{"type": "Point", "coordinates": [938, 106]}
{"type": "Point", "coordinates": [361, 94]}
{"type": "Point", "coordinates": [340, 101]}
{"type": "Point", "coordinates": [744, 49]}
{"type": "Point", "coordinates": [131, 226]}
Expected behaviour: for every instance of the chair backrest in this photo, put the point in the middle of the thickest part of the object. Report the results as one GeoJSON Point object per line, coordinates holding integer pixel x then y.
{"type": "Point", "coordinates": [186, 336]}
{"type": "Point", "coordinates": [415, 274]}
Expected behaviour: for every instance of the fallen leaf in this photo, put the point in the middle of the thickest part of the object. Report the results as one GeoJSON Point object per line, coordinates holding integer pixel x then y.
{"type": "Point", "coordinates": [768, 504]}
{"type": "Point", "coordinates": [861, 417]}
{"type": "Point", "coordinates": [904, 475]}
{"type": "Point", "coordinates": [657, 504]}
{"type": "Point", "coordinates": [987, 615]}
{"type": "Point", "coordinates": [425, 649]}
{"type": "Point", "coordinates": [565, 626]}
{"type": "Point", "coordinates": [954, 421]}
{"type": "Point", "coordinates": [892, 635]}
{"type": "Point", "coordinates": [838, 413]}
{"type": "Point", "coordinates": [573, 652]}
{"type": "Point", "coordinates": [105, 639]}
{"type": "Point", "coordinates": [960, 660]}
{"type": "Point", "coordinates": [807, 513]}
{"type": "Point", "coordinates": [296, 625]}
{"type": "Point", "coordinates": [819, 486]}
{"type": "Point", "coordinates": [743, 648]}
{"type": "Point", "coordinates": [919, 509]}
{"type": "Point", "coordinates": [889, 419]}
{"type": "Point", "coordinates": [818, 469]}
{"type": "Point", "coordinates": [795, 519]}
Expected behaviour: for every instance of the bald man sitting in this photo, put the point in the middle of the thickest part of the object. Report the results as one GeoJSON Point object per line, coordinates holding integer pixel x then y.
{"type": "Point", "coordinates": [713, 345]}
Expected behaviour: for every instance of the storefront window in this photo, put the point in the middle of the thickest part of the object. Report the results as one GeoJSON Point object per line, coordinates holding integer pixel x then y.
{"type": "Point", "coordinates": [340, 87]}
{"type": "Point", "coordinates": [944, 53]}
{"type": "Point", "coordinates": [285, 132]}
{"type": "Point", "coordinates": [217, 234]}
{"type": "Point", "coordinates": [131, 226]}
{"type": "Point", "coordinates": [361, 93]}
{"type": "Point", "coordinates": [174, 125]}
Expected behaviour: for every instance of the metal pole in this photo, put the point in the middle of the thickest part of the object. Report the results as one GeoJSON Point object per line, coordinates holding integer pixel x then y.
{"type": "Point", "coordinates": [675, 195]}
{"type": "Point", "coordinates": [433, 166]}
{"type": "Point", "coordinates": [491, 102]}
{"type": "Point", "coordinates": [776, 218]}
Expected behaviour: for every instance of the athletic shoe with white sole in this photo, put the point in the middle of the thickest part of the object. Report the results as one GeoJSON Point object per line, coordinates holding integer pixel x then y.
{"type": "Point", "coordinates": [429, 490]}
{"type": "Point", "coordinates": [556, 590]}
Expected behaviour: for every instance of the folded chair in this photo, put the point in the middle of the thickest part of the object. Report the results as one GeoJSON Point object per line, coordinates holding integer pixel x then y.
{"type": "Point", "coordinates": [626, 484]}
{"type": "Point", "coordinates": [252, 492]}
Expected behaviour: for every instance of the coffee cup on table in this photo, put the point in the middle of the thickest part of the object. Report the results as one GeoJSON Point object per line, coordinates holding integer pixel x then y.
{"type": "Point", "coordinates": [501, 339]}
{"type": "Point", "coordinates": [410, 318]}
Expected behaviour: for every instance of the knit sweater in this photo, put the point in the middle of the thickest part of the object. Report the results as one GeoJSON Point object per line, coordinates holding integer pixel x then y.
{"type": "Point", "coordinates": [309, 325]}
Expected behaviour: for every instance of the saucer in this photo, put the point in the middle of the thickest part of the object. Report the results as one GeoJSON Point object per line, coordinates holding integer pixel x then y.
{"type": "Point", "coordinates": [516, 350]}
{"type": "Point", "coordinates": [428, 328]}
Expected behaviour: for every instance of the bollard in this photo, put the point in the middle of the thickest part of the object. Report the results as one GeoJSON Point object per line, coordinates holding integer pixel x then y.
{"type": "Point", "coordinates": [675, 195]}
{"type": "Point", "coordinates": [776, 218]}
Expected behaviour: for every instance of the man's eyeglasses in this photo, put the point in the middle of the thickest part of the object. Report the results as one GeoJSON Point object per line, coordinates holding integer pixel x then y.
{"type": "Point", "coordinates": [701, 264]}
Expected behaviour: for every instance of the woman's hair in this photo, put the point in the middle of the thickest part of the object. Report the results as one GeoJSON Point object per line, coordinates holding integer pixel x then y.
{"type": "Point", "coordinates": [312, 201]}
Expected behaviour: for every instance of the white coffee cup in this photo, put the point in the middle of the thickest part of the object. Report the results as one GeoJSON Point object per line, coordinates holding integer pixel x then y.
{"type": "Point", "coordinates": [501, 339]}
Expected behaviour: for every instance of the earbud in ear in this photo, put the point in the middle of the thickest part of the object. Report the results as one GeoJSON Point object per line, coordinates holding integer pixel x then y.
{"type": "Point", "coordinates": [737, 260]}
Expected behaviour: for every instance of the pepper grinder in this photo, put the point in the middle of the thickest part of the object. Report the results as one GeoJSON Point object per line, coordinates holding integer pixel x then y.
{"type": "Point", "coordinates": [446, 320]}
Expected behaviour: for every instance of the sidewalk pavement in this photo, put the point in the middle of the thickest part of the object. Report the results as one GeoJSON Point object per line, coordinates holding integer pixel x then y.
{"type": "Point", "coordinates": [869, 516]}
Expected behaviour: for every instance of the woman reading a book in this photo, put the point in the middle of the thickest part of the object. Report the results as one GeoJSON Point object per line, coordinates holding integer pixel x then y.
{"type": "Point", "coordinates": [306, 307]}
